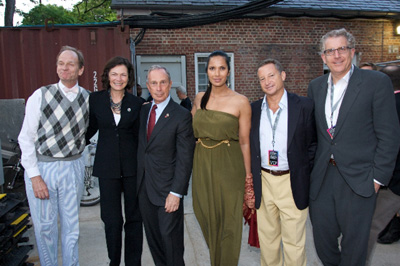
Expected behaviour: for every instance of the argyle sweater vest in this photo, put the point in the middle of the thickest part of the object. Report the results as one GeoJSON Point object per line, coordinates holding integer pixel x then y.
{"type": "Point", "coordinates": [63, 124]}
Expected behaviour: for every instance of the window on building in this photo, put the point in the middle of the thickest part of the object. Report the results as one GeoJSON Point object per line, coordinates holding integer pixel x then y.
{"type": "Point", "coordinates": [200, 60]}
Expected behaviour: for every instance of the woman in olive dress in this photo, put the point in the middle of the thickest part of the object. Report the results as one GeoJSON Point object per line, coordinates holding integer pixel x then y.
{"type": "Point", "coordinates": [221, 123]}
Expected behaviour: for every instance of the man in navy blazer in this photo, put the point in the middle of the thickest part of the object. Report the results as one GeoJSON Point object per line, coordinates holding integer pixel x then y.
{"type": "Point", "coordinates": [357, 129]}
{"type": "Point", "coordinates": [165, 157]}
{"type": "Point", "coordinates": [283, 143]}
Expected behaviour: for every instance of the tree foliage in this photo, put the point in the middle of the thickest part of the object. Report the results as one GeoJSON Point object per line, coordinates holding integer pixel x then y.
{"type": "Point", "coordinates": [94, 11]}
{"type": "Point", "coordinates": [86, 11]}
{"type": "Point", "coordinates": [55, 14]}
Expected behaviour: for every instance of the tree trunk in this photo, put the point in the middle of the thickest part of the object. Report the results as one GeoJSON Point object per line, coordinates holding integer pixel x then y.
{"type": "Point", "coordinates": [9, 13]}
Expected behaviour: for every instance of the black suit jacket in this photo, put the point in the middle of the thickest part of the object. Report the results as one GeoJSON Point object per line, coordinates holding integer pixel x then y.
{"type": "Point", "coordinates": [365, 144]}
{"type": "Point", "coordinates": [301, 147]}
{"type": "Point", "coordinates": [117, 145]}
{"type": "Point", "coordinates": [394, 184]}
{"type": "Point", "coordinates": [187, 103]}
{"type": "Point", "coordinates": [165, 161]}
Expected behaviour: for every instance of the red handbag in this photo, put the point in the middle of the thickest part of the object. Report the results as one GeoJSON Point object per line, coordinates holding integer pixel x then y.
{"type": "Point", "coordinates": [250, 214]}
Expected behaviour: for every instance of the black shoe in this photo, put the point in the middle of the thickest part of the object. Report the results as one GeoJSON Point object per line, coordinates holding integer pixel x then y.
{"type": "Point", "coordinates": [392, 234]}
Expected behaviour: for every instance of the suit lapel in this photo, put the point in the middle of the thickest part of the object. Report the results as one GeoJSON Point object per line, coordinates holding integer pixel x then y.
{"type": "Point", "coordinates": [256, 116]}
{"type": "Point", "coordinates": [108, 115]}
{"type": "Point", "coordinates": [143, 122]}
{"type": "Point", "coordinates": [320, 100]}
{"type": "Point", "coordinates": [124, 110]}
{"type": "Point", "coordinates": [293, 116]}
{"type": "Point", "coordinates": [352, 91]}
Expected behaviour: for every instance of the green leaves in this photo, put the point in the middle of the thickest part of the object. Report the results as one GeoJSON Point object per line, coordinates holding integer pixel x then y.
{"type": "Point", "coordinates": [94, 11]}
{"type": "Point", "coordinates": [57, 14]}
{"type": "Point", "coordinates": [87, 11]}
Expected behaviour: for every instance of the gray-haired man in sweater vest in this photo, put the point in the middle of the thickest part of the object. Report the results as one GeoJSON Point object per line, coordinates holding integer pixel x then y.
{"type": "Point", "coordinates": [52, 139]}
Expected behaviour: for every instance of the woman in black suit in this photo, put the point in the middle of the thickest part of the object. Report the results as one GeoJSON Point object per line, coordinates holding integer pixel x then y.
{"type": "Point", "coordinates": [115, 114]}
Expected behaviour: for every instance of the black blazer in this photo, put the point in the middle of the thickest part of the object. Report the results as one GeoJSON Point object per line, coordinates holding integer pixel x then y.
{"type": "Point", "coordinates": [394, 184]}
{"type": "Point", "coordinates": [365, 144]}
{"type": "Point", "coordinates": [117, 145]}
{"type": "Point", "coordinates": [165, 161]}
{"type": "Point", "coordinates": [187, 103]}
{"type": "Point", "coordinates": [301, 145]}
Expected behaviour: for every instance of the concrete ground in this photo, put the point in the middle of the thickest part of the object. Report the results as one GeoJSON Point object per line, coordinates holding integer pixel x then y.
{"type": "Point", "coordinates": [92, 245]}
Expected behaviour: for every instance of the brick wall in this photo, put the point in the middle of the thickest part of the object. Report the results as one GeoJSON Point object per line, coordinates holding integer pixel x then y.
{"type": "Point", "coordinates": [293, 41]}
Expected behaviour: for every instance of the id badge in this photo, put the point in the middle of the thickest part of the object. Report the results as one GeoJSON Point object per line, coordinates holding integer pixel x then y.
{"type": "Point", "coordinates": [273, 158]}
{"type": "Point", "coordinates": [331, 131]}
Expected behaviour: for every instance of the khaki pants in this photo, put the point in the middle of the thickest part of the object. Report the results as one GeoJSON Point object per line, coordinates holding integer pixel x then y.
{"type": "Point", "coordinates": [279, 221]}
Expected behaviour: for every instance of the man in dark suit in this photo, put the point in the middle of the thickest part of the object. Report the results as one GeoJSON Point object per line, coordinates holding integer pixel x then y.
{"type": "Point", "coordinates": [182, 95]}
{"type": "Point", "coordinates": [283, 143]}
{"type": "Point", "coordinates": [388, 200]}
{"type": "Point", "coordinates": [357, 126]}
{"type": "Point", "coordinates": [165, 156]}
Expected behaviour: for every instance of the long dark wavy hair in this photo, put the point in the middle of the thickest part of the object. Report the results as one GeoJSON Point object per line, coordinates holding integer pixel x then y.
{"type": "Point", "coordinates": [113, 62]}
{"type": "Point", "coordinates": [206, 95]}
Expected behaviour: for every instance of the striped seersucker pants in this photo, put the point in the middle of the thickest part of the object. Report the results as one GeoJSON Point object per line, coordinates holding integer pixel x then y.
{"type": "Point", "coordinates": [64, 180]}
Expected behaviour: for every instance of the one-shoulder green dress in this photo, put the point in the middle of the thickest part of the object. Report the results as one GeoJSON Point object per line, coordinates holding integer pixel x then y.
{"type": "Point", "coordinates": [218, 184]}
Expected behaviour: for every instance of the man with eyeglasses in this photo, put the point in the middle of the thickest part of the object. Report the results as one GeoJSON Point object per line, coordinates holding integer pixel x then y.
{"type": "Point", "coordinates": [357, 147]}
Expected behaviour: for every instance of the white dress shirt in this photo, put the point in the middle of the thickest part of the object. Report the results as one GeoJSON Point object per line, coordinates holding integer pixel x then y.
{"type": "Point", "coordinates": [338, 94]}
{"type": "Point", "coordinates": [281, 134]}
{"type": "Point", "coordinates": [28, 134]}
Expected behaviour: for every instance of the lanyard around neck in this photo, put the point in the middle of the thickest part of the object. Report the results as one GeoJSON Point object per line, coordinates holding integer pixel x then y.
{"type": "Point", "coordinates": [275, 124]}
{"type": "Point", "coordinates": [335, 106]}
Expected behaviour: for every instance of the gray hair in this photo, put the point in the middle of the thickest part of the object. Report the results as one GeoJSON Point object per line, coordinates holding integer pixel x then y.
{"type": "Point", "coordinates": [181, 89]}
{"type": "Point", "coordinates": [351, 41]}
{"type": "Point", "coordinates": [157, 67]}
{"type": "Point", "coordinates": [275, 62]}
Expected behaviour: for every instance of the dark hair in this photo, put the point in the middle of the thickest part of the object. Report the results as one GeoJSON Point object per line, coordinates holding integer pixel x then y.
{"type": "Point", "coordinates": [81, 60]}
{"type": "Point", "coordinates": [139, 90]}
{"type": "Point", "coordinates": [206, 95]}
{"type": "Point", "coordinates": [368, 64]}
{"type": "Point", "coordinates": [275, 62]}
{"type": "Point", "coordinates": [113, 62]}
{"type": "Point", "coordinates": [394, 74]}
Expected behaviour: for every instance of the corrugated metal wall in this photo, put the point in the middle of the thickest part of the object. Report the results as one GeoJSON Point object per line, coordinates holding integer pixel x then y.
{"type": "Point", "coordinates": [28, 55]}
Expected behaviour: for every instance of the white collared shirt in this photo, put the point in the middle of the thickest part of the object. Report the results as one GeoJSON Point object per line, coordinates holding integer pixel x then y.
{"type": "Point", "coordinates": [28, 134]}
{"type": "Point", "coordinates": [281, 134]}
{"type": "Point", "coordinates": [338, 95]}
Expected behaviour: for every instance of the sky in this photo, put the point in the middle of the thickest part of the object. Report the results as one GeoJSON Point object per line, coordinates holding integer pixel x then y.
{"type": "Point", "coordinates": [26, 5]}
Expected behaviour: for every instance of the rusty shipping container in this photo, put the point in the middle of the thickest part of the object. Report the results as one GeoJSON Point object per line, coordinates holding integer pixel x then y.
{"type": "Point", "coordinates": [28, 55]}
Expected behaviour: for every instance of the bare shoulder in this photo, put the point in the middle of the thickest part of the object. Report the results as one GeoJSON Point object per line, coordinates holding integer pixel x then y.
{"type": "Point", "coordinates": [196, 103]}
{"type": "Point", "coordinates": [240, 99]}
{"type": "Point", "coordinates": [198, 98]}
{"type": "Point", "coordinates": [199, 95]}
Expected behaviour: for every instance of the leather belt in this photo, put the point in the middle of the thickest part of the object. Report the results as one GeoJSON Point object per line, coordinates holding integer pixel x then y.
{"type": "Point", "coordinates": [277, 172]}
{"type": "Point", "coordinates": [332, 162]}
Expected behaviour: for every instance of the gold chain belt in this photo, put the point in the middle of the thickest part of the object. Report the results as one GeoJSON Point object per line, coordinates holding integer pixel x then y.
{"type": "Point", "coordinates": [213, 146]}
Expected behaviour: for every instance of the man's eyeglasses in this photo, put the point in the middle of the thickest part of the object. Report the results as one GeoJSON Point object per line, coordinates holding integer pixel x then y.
{"type": "Point", "coordinates": [341, 50]}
